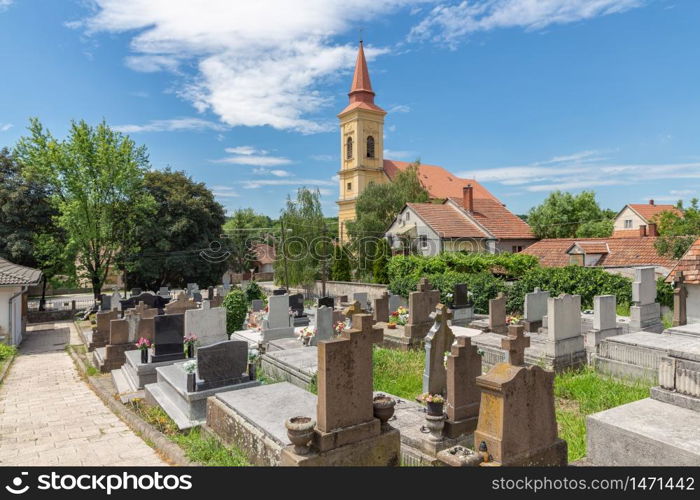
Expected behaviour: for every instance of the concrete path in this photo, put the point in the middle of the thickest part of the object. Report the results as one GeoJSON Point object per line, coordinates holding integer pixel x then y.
{"type": "Point", "coordinates": [49, 416]}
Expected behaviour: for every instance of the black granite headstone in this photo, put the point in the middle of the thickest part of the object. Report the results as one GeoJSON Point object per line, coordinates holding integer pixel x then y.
{"type": "Point", "coordinates": [221, 364]}
{"type": "Point", "coordinates": [279, 291]}
{"type": "Point", "coordinates": [105, 302]}
{"type": "Point", "coordinates": [326, 301]}
{"type": "Point", "coordinates": [296, 303]}
{"type": "Point", "coordinates": [196, 296]}
{"type": "Point", "coordinates": [169, 331]}
{"type": "Point", "coordinates": [460, 297]}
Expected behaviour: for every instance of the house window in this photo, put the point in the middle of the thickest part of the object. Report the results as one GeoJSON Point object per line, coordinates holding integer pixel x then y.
{"type": "Point", "coordinates": [423, 241]}
{"type": "Point", "coordinates": [370, 147]}
{"type": "Point", "coordinates": [348, 148]}
{"type": "Point", "coordinates": [576, 259]}
{"type": "Point", "coordinates": [390, 239]}
{"type": "Point", "coordinates": [349, 186]}
{"type": "Point", "coordinates": [408, 216]}
{"type": "Point", "coordinates": [517, 248]}
{"type": "Point", "coordinates": [628, 223]}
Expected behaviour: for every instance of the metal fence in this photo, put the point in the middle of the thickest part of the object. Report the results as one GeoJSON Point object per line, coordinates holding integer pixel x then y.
{"type": "Point", "coordinates": [79, 304]}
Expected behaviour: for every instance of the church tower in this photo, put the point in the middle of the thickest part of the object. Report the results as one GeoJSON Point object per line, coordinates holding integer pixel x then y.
{"type": "Point", "coordinates": [361, 144]}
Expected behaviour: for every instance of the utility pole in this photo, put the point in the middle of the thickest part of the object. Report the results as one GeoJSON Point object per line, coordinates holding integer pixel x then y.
{"type": "Point", "coordinates": [324, 266]}
{"type": "Point", "coordinates": [284, 256]}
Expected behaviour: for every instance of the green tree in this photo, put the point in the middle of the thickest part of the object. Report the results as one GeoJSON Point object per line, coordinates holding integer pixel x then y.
{"type": "Point", "coordinates": [178, 244]}
{"type": "Point", "coordinates": [243, 230]}
{"type": "Point", "coordinates": [563, 215]}
{"type": "Point", "coordinates": [678, 232]}
{"type": "Point", "coordinates": [96, 176]}
{"type": "Point", "coordinates": [304, 248]}
{"type": "Point", "coordinates": [340, 270]}
{"type": "Point", "coordinates": [380, 266]}
{"type": "Point", "coordinates": [236, 307]}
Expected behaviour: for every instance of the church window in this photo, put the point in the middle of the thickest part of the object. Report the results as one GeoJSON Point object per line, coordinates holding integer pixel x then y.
{"type": "Point", "coordinates": [348, 148]}
{"type": "Point", "coordinates": [370, 147]}
{"type": "Point", "coordinates": [349, 186]}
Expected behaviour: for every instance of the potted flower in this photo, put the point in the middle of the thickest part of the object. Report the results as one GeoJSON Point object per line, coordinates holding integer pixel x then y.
{"type": "Point", "coordinates": [190, 368]}
{"type": "Point", "coordinates": [513, 319]}
{"type": "Point", "coordinates": [399, 317]}
{"type": "Point", "coordinates": [143, 345]}
{"type": "Point", "coordinates": [189, 342]}
{"type": "Point", "coordinates": [253, 356]}
{"type": "Point", "coordinates": [434, 402]}
{"type": "Point", "coordinates": [306, 334]}
{"type": "Point", "coordinates": [339, 327]}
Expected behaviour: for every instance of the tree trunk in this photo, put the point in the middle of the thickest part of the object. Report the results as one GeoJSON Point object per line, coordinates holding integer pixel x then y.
{"type": "Point", "coordinates": [96, 286]}
{"type": "Point", "coordinates": [42, 301]}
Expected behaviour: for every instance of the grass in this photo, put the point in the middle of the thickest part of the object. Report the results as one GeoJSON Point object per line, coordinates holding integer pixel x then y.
{"type": "Point", "coordinates": [577, 393]}
{"type": "Point", "coordinates": [198, 447]}
{"type": "Point", "coordinates": [6, 353]}
{"type": "Point", "coordinates": [623, 309]}
{"type": "Point", "coordinates": [398, 372]}
{"type": "Point", "coordinates": [667, 319]}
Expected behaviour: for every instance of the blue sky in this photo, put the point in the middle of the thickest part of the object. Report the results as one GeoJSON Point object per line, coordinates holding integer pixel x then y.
{"type": "Point", "coordinates": [525, 95]}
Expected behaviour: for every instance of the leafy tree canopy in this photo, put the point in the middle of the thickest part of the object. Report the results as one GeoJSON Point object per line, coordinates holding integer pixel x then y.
{"type": "Point", "coordinates": [676, 232]}
{"type": "Point", "coordinates": [243, 230]}
{"type": "Point", "coordinates": [565, 215]}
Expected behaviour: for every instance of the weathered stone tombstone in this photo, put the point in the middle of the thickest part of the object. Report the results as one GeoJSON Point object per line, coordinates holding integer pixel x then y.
{"type": "Point", "coordinates": [223, 363]}
{"type": "Point", "coordinates": [207, 324]}
{"type": "Point", "coordinates": [497, 314]}
{"type": "Point", "coordinates": [437, 342]}
{"type": "Point", "coordinates": [118, 332]}
{"type": "Point", "coordinates": [564, 344]}
{"type": "Point", "coordinates": [100, 333]}
{"type": "Point", "coordinates": [168, 338]}
{"type": "Point", "coordinates": [324, 325]}
{"type": "Point", "coordinates": [362, 298]}
{"type": "Point", "coordinates": [111, 356]}
{"type": "Point", "coordinates": [535, 309]}
{"type": "Point", "coordinates": [396, 301]}
{"type": "Point", "coordinates": [138, 326]}
{"type": "Point", "coordinates": [645, 312]}
{"type": "Point", "coordinates": [381, 308]}
{"type": "Point", "coordinates": [327, 302]}
{"type": "Point", "coordinates": [346, 432]}
{"type": "Point", "coordinates": [462, 307]}
{"type": "Point", "coordinates": [517, 424]}
{"type": "Point", "coordinates": [257, 305]}
{"type": "Point", "coordinates": [353, 309]}
{"type": "Point", "coordinates": [105, 302]}
{"type": "Point", "coordinates": [181, 304]}
{"type": "Point", "coordinates": [680, 300]}
{"type": "Point", "coordinates": [115, 301]}
{"type": "Point", "coordinates": [279, 324]}
{"type": "Point", "coordinates": [420, 304]}
{"type": "Point", "coordinates": [164, 292]}
{"type": "Point", "coordinates": [604, 323]}
{"type": "Point", "coordinates": [463, 395]}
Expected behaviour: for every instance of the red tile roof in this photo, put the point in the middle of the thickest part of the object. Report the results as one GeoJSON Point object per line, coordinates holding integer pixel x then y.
{"type": "Point", "coordinates": [500, 221]}
{"type": "Point", "coordinates": [626, 233]}
{"type": "Point", "coordinates": [447, 221]}
{"type": "Point", "coordinates": [264, 254]}
{"type": "Point", "coordinates": [439, 182]}
{"type": "Point", "coordinates": [593, 247]}
{"type": "Point", "coordinates": [622, 252]}
{"type": "Point", "coordinates": [361, 93]}
{"type": "Point", "coordinates": [649, 210]}
{"type": "Point", "coordinates": [689, 264]}
{"type": "Point", "coordinates": [13, 274]}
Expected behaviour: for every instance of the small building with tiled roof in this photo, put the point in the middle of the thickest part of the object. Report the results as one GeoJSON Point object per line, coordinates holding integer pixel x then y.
{"type": "Point", "coordinates": [15, 281]}
{"type": "Point", "coordinates": [689, 265]}
{"type": "Point", "coordinates": [467, 224]}
{"type": "Point", "coordinates": [640, 219]}
{"type": "Point", "coordinates": [619, 255]}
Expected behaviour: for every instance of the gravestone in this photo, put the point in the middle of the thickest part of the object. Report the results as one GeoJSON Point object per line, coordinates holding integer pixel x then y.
{"type": "Point", "coordinates": [115, 301]}
{"type": "Point", "coordinates": [258, 305]}
{"type": "Point", "coordinates": [196, 296]}
{"type": "Point", "coordinates": [326, 301]}
{"type": "Point", "coordinates": [100, 333]}
{"type": "Point", "coordinates": [223, 363]}
{"type": "Point", "coordinates": [181, 304]}
{"type": "Point", "coordinates": [279, 291]}
{"type": "Point", "coordinates": [207, 323]}
{"type": "Point", "coordinates": [517, 422]}
{"type": "Point", "coordinates": [420, 304]}
{"type": "Point", "coordinates": [645, 312]}
{"type": "Point", "coordinates": [462, 306]}
{"type": "Point", "coordinates": [192, 287]}
{"type": "Point", "coordinates": [437, 343]}
{"type": "Point", "coordinates": [137, 318]}
{"type": "Point", "coordinates": [164, 292]}
{"type": "Point", "coordinates": [324, 325]}
{"type": "Point", "coordinates": [497, 314]}
{"type": "Point", "coordinates": [396, 301]}
{"type": "Point", "coordinates": [381, 308]}
{"type": "Point", "coordinates": [564, 345]}
{"type": "Point", "coordinates": [680, 299]}
{"type": "Point", "coordinates": [105, 302]}
{"type": "Point", "coordinates": [604, 323]}
{"type": "Point", "coordinates": [535, 309]}
{"type": "Point", "coordinates": [279, 324]}
{"type": "Point", "coordinates": [463, 395]}
{"type": "Point", "coordinates": [210, 293]}
{"type": "Point", "coordinates": [362, 298]}
{"type": "Point", "coordinates": [296, 303]}
{"type": "Point", "coordinates": [118, 332]}
{"type": "Point", "coordinates": [111, 356]}
{"type": "Point", "coordinates": [353, 309]}
{"type": "Point", "coordinates": [168, 338]}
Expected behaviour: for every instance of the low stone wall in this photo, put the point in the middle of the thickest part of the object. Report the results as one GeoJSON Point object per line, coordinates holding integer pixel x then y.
{"type": "Point", "coordinates": [46, 316]}
{"type": "Point", "coordinates": [336, 289]}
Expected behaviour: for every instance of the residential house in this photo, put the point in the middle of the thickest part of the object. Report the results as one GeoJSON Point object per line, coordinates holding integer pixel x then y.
{"type": "Point", "coordinates": [689, 264]}
{"type": "Point", "coordinates": [15, 281]}
{"type": "Point", "coordinates": [617, 255]}
{"type": "Point", "coordinates": [468, 223]}
{"type": "Point", "coordinates": [639, 219]}
{"type": "Point", "coordinates": [262, 265]}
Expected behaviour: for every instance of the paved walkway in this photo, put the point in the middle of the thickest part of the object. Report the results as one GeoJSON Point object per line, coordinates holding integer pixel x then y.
{"type": "Point", "coordinates": [49, 416]}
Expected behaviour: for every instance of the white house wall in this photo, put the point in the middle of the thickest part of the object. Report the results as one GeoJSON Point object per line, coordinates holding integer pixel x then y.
{"type": "Point", "coordinates": [628, 214]}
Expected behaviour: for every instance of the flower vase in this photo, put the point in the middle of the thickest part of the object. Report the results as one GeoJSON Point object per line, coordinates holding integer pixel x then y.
{"type": "Point", "coordinates": [435, 424]}
{"type": "Point", "coordinates": [144, 356]}
{"type": "Point", "coordinates": [191, 382]}
{"type": "Point", "coordinates": [251, 371]}
{"type": "Point", "coordinates": [190, 351]}
{"type": "Point", "coordinates": [435, 409]}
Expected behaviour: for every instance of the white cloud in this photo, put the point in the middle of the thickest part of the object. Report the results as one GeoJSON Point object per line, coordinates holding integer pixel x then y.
{"type": "Point", "coordinates": [449, 23]}
{"type": "Point", "coordinates": [245, 150]}
{"type": "Point", "coordinates": [5, 4]}
{"type": "Point", "coordinates": [172, 125]}
{"type": "Point", "coordinates": [4, 127]}
{"type": "Point", "coordinates": [256, 63]}
{"type": "Point", "coordinates": [255, 183]}
{"type": "Point", "coordinates": [258, 161]}
{"type": "Point", "coordinates": [399, 108]}
{"type": "Point", "coordinates": [224, 192]}
{"type": "Point", "coordinates": [275, 173]}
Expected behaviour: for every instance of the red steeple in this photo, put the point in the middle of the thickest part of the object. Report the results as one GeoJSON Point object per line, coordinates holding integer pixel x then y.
{"type": "Point", "coordinates": [361, 93]}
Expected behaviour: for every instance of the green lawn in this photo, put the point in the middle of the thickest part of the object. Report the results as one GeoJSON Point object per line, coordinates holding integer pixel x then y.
{"type": "Point", "coordinates": [578, 393]}
{"type": "Point", "coordinates": [198, 447]}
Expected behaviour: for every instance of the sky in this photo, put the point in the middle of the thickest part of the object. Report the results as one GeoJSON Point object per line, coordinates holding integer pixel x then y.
{"type": "Point", "coordinates": [525, 96]}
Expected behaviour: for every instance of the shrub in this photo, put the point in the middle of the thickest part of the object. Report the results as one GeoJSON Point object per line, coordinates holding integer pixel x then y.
{"type": "Point", "coordinates": [236, 307]}
{"type": "Point", "coordinates": [253, 291]}
{"type": "Point", "coordinates": [340, 269]}
{"type": "Point", "coordinates": [664, 293]}
{"type": "Point", "coordinates": [6, 351]}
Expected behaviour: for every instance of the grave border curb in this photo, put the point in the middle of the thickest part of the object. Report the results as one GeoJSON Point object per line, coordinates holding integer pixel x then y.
{"type": "Point", "coordinates": [170, 451]}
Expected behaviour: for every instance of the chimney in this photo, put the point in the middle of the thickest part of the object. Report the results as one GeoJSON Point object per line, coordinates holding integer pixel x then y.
{"type": "Point", "coordinates": [651, 229]}
{"type": "Point", "coordinates": [468, 198]}
{"type": "Point", "coordinates": [651, 202]}
{"type": "Point", "coordinates": [642, 230]}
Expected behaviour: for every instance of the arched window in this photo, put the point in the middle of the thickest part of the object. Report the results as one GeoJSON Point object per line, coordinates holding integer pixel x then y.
{"type": "Point", "coordinates": [348, 148]}
{"type": "Point", "coordinates": [370, 147]}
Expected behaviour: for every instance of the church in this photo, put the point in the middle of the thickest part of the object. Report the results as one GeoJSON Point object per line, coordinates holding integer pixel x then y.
{"type": "Point", "coordinates": [483, 219]}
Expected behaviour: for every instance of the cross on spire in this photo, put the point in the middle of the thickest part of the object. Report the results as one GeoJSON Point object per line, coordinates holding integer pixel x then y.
{"type": "Point", "coordinates": [515, 343]}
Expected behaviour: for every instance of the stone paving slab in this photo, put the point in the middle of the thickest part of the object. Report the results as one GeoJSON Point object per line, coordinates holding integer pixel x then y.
{"type": "Point", "coordinates": [49, 416]}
